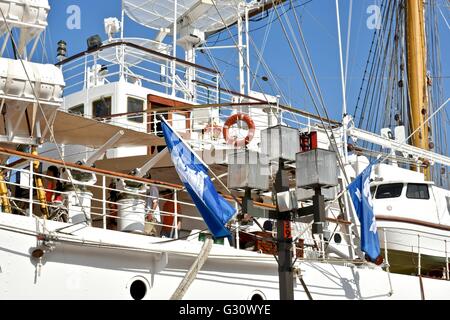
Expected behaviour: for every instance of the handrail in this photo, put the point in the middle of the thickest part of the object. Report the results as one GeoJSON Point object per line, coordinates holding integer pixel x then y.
{"type": "Point", "coordinates": [413, 221]}
{"type": "Point", "coordinates": [132, 45]}
{"type": "Point", "coordinates": [88, 169]}
{"type": "Point", "coordinates": [282, 107]}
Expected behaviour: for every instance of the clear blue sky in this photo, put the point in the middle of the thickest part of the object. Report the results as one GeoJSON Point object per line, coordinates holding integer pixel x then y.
{"type": "Point", "coordinates": [320, 28]}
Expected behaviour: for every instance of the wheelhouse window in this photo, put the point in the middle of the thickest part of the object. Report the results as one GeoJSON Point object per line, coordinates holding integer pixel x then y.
{"type": "Point", "coordinates": [79, 109]}
{"type": "Point", "coordinates": [417, 191]}
{"type": "Point", "coordinates": [135, 108]}
{"type": "Point", "coordinates": [372, 191]}
{"type": "Point", "coordinates": [101, 108]}
{"type": "Point", "coordinates": [386, 191]}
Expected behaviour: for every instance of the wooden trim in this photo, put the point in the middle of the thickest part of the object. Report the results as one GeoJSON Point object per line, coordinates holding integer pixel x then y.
{"type": "Point", "coordinates": [413, 221]}
{"type": "Point", "coordinates": [170, 103]}
{"type": "Point", "coordinates": [205, 106]}
{"type": "Point", "coordinates": [71, 165]}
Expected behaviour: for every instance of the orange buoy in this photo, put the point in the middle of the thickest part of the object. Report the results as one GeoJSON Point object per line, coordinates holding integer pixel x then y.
{"type": "Point", "coordinates": [231, 122]}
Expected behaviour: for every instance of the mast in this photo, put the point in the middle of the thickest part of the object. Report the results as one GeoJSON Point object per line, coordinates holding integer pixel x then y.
{"type": "Point", "coordinates": [417, 70]}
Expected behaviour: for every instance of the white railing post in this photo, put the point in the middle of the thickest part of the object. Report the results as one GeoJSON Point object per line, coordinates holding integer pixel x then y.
{"type": "Point", "coordinates": [322, 246]}
{"type": "Point", "coordinates": [419, 256]}
{"type": "Point", "coordinates": [155, 126]}
{"type": "Point", "coordinates": [104, 201]}
{"type": "Point", "coordinates": [174, 62]}
{"type": "Point", "coordinates": [175, 203]}
{"type": "Point", "coordinates": [391, 292]}
{"type": "Point", "coordinates": [237, 229]}
{"type": "Point", "coordinates": [30, 196]}
{"type": "Point", "coordinates": [217, 88]}
{"type": "Point", "coordinates": [386, 250]}
{"type": "Point", "coordinates": [294, 248]}
{"type": "Point", "coordinates": [86, 76]}
{"type": "Point", "coordinates": [446, 261]}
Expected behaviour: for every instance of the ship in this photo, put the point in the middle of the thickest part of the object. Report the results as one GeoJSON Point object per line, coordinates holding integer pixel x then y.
{"type": "Point", "coordinates": [83, 149]}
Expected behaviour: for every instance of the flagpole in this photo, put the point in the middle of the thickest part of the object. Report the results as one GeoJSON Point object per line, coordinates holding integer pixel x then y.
{"type": "Point", "coordinates": [162, 119]}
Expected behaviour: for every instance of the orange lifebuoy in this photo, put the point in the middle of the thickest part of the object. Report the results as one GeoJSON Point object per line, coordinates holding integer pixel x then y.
{"type": "Point", "coordinates": [232, 121]}
{"type": "Point", "coordinates": [214, 130]}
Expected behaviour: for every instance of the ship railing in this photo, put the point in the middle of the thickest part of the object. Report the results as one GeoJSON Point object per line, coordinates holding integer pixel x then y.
{"type": "Point", "coordinates": [417, 246]}
{"type": "Point", "coordinates": [135, 64]}
{"type": "Point", "coordinates": [101, 207]}
{"type": "Point", "coordinates": [203, 124]}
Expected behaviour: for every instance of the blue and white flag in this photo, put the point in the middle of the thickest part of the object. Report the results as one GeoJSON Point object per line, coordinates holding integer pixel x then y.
{"type": "Point", "coordinates": [215, 210]}
{"type": "Point", "coordinates": [362, 200]}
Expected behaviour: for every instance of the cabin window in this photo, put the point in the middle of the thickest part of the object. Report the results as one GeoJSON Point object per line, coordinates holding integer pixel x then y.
{"type": "Point", "coordinates": [386, 191]}
{"type": "Point", "coordinates": [101, 108]}
{"type": "Point", "coordinates": [135, 105]}
{"type": "Point", "coordinates": [417, 191]}
{"type": "Point", "coordinates": [372, 191]}
{"type": "Point", "coordinates": [79, 109]}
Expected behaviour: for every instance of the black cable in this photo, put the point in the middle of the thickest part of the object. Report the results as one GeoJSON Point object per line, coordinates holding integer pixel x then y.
{"type": "Point", "coordinates": [265, 25]}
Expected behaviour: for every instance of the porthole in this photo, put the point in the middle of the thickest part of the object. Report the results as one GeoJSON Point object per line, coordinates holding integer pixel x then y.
{"type": "Point", "coordinates": [138, 288]}
{"type": "Point", "coordinates": [337, 238]}
{"type": "Point", "coordinates": [256, 296]}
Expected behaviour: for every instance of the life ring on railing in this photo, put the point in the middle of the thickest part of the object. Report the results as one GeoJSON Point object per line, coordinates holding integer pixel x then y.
{"type": "Point", "coordinates": [214, 130]}
{"type": "Point", "coordinates": [232, 121]}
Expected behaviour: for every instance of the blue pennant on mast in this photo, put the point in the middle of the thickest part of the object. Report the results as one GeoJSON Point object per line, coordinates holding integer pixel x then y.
{"type": "Point", "coordinates": [215, 210]}
{"type": "Point", "coordinates": [362, 200]}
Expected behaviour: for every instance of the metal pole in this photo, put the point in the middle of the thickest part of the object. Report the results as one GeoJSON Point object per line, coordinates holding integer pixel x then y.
{"type": "Point", "coordinates": [284, 239]}
{"type": "Point", "coordinates": [30, 196]}
{"type": "Point", "coordinates": [386, 250]}
{"type": "Point", "coordinates": [247, 50]}
{"type": "Point", "coordinates": [344, 85]}
{"type": "Point", "coordinates": [174, 63]}
{"type": "Point", "coordinates": [122, 48]}
{"type": "Point", "coordinates": [391, 292]}
{"type": "Point", "coordinates": [122, 24]}
{"type": "Point", "coordinates": [446, 261]}
{"type": "Point", "coordinates": [420, 261]}
{"type": "Point", "coordinates": [104, 201]}
{"type": "Point", "coordinates": [237, 228]}
{"type": "Point", "coordinates": [241, 58]}
{"type": "Point", "coordinates": [175, 203]}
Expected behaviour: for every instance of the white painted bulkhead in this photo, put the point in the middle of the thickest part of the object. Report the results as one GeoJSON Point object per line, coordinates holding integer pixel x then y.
{"type": "Point", "coordinates": [72, 270]}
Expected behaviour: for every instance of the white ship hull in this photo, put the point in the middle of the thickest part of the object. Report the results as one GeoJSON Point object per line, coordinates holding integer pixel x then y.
{"type": "Point", "coordinates": [99, 264]}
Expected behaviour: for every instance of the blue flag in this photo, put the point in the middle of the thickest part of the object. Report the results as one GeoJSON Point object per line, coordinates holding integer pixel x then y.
{"type": "Point", "coordinates": [215, 210]}
{"type": "Point", "coordinates": [362, 200]}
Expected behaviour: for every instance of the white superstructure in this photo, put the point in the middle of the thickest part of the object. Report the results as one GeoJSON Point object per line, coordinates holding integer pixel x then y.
{"type": "Point", "coordinates": [97, 242]}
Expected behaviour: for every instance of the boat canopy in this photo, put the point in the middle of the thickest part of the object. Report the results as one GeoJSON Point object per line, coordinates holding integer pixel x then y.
{"type": "Point", "coordinates": [70, 129]}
